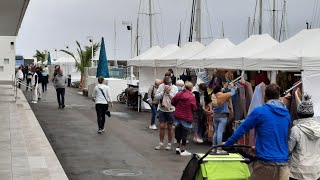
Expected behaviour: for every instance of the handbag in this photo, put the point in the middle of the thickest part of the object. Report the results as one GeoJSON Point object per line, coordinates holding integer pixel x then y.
{"type": "Point", "coordinates": [107, 111]}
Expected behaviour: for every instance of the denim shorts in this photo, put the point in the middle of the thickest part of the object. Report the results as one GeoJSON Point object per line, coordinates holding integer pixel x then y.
{"type": "Point", "coordinates": [185, 124]}
{"type": "Point", "coordinates": [166, 117]}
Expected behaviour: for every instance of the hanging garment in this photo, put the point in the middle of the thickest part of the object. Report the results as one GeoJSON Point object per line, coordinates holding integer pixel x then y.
{"type": "Point", "coordinates": [293, 107]}
{"type": "Point", "coordinates": [258, 97]}
{"type": "Point", "coordinates": [249, 94]}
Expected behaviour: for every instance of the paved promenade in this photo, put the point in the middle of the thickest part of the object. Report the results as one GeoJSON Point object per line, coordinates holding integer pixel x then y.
{"type": "Point", "coordinates": [126, 144]}
{"type": "Point", "coordinates": [25, 152]}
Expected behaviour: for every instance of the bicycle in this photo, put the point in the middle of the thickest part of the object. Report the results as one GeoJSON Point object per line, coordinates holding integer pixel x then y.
{"type": "Point", "coordinates": [122, 97]}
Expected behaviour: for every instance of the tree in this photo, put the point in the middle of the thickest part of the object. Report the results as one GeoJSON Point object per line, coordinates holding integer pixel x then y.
{"type": "Point", "coordinates": [41, 56]}
{"type": "Point", "coordinates": [84, 58]}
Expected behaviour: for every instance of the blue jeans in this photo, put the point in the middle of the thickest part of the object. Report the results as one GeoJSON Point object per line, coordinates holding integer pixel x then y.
{"type": "Point", "coordinates": [219, 126]}
{"type": "Point", "coordinates": [154, 109]}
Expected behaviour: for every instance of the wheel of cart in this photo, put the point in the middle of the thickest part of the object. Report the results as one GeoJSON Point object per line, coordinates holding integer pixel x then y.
{"type": "Point", "coordinates": [211, 166]}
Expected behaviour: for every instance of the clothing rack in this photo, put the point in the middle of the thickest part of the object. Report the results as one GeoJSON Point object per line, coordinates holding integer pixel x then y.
{"type": "Point", "coordinates": [296, 85]}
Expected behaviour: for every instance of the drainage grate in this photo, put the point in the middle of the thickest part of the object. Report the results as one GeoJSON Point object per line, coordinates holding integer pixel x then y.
{"type": "Point", "coordinates": [122, 172]}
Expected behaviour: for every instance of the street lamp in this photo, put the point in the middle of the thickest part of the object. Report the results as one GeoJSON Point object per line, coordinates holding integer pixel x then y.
{"type": "Point", "coordinates": [56, 53]}
{"type": "Point", "coordinates": [129, 28]}
{"type": "Point", "coordinates": [91, 40]}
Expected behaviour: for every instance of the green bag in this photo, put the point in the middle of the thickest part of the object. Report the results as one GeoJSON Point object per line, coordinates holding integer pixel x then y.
{"type": "Point", "coordinates": [219, 167]}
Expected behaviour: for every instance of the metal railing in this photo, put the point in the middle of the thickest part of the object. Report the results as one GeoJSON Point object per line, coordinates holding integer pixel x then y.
{"type": "Point", "coordinates": [16, 83]}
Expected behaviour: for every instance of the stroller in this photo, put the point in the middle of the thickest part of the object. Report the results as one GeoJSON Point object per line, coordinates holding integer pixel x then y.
{"type": "Point", "coordinates": [231, 166]}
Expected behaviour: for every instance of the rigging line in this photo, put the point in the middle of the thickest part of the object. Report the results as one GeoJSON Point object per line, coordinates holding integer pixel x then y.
{"type": "Point", "coordinates": [254, 18]}
{"type": "Point", "coordinates": [317, 14]}
{"type": "Point", "coordinates": [192, 21]}
{"type": "Point", "coordinates": [270, 14]}
{"type": "Point", "coordinates": [155, 24]}
{"type": "Point", "coordinates": [185, 20]}
{"type": "Point", "coordinates": [161, 21]}
{"type": "Point", "coordinates": [138, 20]}
{"type": "Point", "coordinates": [314, 11]}
{"type": "Point", "coordinates": [282, 20]}
{"type": "Point", "coordinates": [209, 19]}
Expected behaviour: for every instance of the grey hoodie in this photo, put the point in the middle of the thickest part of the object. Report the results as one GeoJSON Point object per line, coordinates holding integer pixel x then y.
{"type": "Point", "coordinates": [304, 147]}
{"type": "Point", "coordinates": [60, 81]}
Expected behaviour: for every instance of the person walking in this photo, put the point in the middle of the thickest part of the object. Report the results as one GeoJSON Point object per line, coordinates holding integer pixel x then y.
{"type": "Point", "coordinates": [153, 102]}
{"type": "Point", "coordinates": [204, 107]}
{"type": "Point", "coordinates": [221, 113]}
{"type": "Point", "coordinates": [102, 96]}
{"type": "Point", "coordinates": [271, 122]}
{"type": "Point", "coordinates": [60, 82]}
{"type": "Point", "coordinates": [40, 80]}
{"type": "Point", "coordinates": [29, 79]}
{"type": "Point", "coordinates": [164, 94]}
{"type": "Point", "coordinates": [185, 104]}
{"type": "Point", "coordinates": [173, 78]}
{"type": "Point", "coordinates": [19, 76]}
{"type": "Point", "coordinates": [45, 79]}
{"type": "Point", "coordinates": [35, 85]}
{"type": "Point", "coordinates": [304, 143]}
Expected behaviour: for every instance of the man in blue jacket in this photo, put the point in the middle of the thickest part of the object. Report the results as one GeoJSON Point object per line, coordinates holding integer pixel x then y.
{"type": "Point", "coordinates": [271, 122]}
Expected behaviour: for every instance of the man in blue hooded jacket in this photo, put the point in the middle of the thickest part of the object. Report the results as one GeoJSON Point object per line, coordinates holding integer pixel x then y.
{"type": "Point", "coordinates": [271, 122]}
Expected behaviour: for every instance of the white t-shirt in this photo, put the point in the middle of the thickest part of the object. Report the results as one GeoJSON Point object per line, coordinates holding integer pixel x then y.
{"type": "Point", "coordinates": [98, 95]}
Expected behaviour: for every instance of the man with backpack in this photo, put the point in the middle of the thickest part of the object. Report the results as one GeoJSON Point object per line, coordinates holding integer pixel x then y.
{"type": "Point", "coordinates": [153, 102]}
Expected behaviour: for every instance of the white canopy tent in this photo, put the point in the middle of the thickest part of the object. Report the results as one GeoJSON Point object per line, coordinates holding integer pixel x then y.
{"type": "Point", "coordinates": [68, 65]}
{"type": "Point", "coordinates": [290, 55]}
{"type": "Point", "coordinates": [187, 51]}
{"type": "Point", "coordinates": [233, 58]}
{"type": "Point", "coordinates": [145, 56]}
{"type": "Point", "coordinates": [216, 47]}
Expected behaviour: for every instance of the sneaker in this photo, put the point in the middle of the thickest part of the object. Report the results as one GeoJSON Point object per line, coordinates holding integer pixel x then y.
{"type": "Point", "coordinates": [153, 127]}
{"type": "Point", "coordinates": [63, 106]}
{"type": "Point", "coordinates": [34, 102]}
{"type": "Point", "coordinates": [100, 131]}
{"type": "Point", "coordinates": [178, 151]}
{"type": "Point", "coordinates": [199, 140]}
{"type": "Point", "coordinates": [168, 148]}
{"type": "Point", "coordinates": [221, 152]}
{"type": "Point", "coordinates": [185, 153]}
{"type": "Point", "coordinates": [160, 146]}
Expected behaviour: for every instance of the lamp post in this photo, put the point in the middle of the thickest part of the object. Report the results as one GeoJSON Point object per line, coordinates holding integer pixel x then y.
{"type": "Point", "coordinates": [129, 28]}
{"type": "Point", "coordinates": [91, 40]}
{"type": "Point", "coordinates": [65, 63]}
{"type": "Point", "coordinates": [55, 50]}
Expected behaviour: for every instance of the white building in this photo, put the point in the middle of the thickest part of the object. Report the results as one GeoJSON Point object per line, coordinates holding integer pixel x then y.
{"type": "Point", "coordinates": [12, 13]}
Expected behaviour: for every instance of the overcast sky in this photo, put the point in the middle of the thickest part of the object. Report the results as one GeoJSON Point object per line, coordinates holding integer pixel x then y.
{"type": "Point", "coordinates": [50, 24]}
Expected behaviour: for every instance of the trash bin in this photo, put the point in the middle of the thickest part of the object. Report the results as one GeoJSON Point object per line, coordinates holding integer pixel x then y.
{"type": "Point", "coordinates": [69, 80]}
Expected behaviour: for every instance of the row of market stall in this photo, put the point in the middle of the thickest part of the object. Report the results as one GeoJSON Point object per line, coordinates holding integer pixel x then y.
{"type": "Point", "coordinates": [300, 53]}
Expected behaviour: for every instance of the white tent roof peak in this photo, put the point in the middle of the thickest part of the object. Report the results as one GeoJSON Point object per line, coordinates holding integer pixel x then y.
{"type": "Point", "coordinates": [188, 50]}
{"type": "Point", "coordinates": [64, 60]}
{"type": "Point", "coordinates": [168, 49]}
{"type": "Point", "coordinates": [148, 53]}
{"type": "Point", "coordinates": [252, 45]}
{"type": "Point", "coordinates": [216, 47]}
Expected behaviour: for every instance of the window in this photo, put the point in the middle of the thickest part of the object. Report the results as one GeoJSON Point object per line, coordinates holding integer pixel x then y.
{"type": "Point", "coordinates": [6, 61]}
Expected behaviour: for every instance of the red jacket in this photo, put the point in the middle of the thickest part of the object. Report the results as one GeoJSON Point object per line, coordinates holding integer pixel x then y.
{"type": "Point", "coordinates": [185, 104]}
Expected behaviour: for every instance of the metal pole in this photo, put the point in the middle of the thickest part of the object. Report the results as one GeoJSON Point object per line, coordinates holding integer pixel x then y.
{"type": "Point", "coordinates": [274, 20]}
{"type": "Point", "coordinates": [150, 21]}
{"type": "Point", "coordinates": [198, 14]}
{"type": "Point", "coordinates": [131, 31]}
{"type": "Point", "coordinates": [260, 17]}
{"type": "Point", "coordinates": [248, 27]}
{"type": "Point", "coordinates": [92, 51]}
{"type": "Point", "coordinates": [115, 44]}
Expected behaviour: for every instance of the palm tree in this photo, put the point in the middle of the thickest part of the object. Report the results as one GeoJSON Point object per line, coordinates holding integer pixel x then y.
{"type": "Point", "coordinates": [85, 58]}
{"type": "Point", "coordinates": [41, 56]}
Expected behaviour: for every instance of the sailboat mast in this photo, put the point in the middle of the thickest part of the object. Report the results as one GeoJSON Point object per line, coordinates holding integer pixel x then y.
{"type": "Point", "coordinates": [222, 30]}
{"type": "Point", "coordinates": [115, 44]}
{"type": "Point", "coordinates": [260, 17]}
{"type": "Point", "coordinates": [150, 21]}
{"type": "Point", "coordinates": [274, 20]}
{"type": "Point", "coordinates": [198, 21]}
